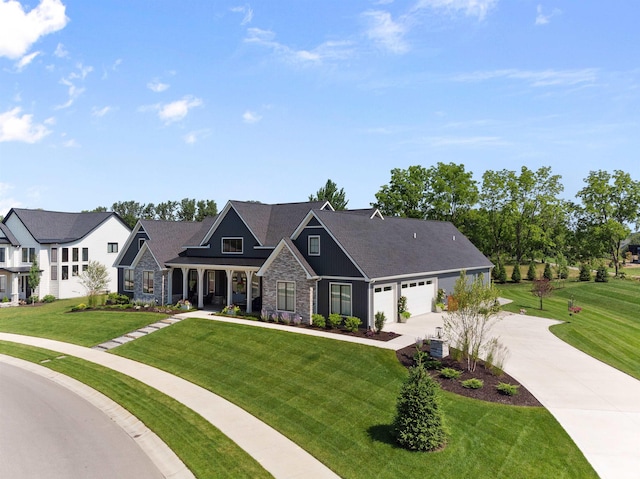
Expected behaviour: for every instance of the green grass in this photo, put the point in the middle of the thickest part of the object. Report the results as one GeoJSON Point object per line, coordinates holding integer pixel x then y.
{"type": "Point", "coordinates": [337, 400]}
{"type": "Point", "coordinates": [86, 328]}
{"type": "Point", "coordinates": [607, 328]}
{"type": "Point", "coordinates": [204, 449]}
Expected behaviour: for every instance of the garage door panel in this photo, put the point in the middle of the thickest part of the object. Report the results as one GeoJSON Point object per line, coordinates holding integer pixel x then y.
{"type": "Point", "coordinates": [419, 294]}
{"type": "Point", "coordinates": [384, 299]}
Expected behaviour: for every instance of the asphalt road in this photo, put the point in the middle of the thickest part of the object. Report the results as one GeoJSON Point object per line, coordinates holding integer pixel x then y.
{"type": "Point", "coordinates": [48, 431]}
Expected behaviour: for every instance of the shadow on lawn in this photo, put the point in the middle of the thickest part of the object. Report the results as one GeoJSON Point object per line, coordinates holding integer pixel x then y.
{"type": "Point", "coordinates": [383, 433]}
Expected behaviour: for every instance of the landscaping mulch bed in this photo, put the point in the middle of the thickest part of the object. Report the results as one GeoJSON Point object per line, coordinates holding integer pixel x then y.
{"type": "Point", "coordinates": [487, 393]}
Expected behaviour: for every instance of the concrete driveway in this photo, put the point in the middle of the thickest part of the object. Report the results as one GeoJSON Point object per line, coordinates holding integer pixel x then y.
{"type": "Point", "coordinates": [597, 405]}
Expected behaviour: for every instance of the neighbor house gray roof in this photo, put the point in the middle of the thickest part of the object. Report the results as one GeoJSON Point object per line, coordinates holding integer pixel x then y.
{"type": "Point", "coordinates": [167, 238]}
{"type": "Point", "coordinates": [7, 236]}
{"type": "Point", "coordinates": [399, 246]}
{"type": "Point", "coordinates": [48, 227]}
{"type": "Point", "coordinates": [271, 223]}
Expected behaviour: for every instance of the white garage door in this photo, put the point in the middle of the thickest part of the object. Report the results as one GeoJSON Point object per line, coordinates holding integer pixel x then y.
{"type": "Point", "coordinates": [384, 299]}
{"type": "Point", "coordinates": [419, 294]}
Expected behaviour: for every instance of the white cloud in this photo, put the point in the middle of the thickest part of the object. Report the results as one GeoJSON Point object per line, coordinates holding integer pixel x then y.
{"type": "Point", "coordinates": [247, 11]}
{"type": "Point", "coordinates": [6, 201]}
{"type": "Point", "coordinates": [19, 30]}
{"type": "Point", "coordinates": [71, 144]}
{"type": "Point", "coordinates": [25, 60]}
{"type": "Point", "coordinates": [14, 127]}
{"type": "Point", "coordinates": [194, 136]}
{"type": "Point", "coordinates": [470, 8]}
{"type": "Point", "coordinates": [157, 86]}
{"type": "Point", "coordinates": [542, 19]}
{"type": "Point", "coordinates": [386, 32]}
{"type": "Point", "coordinates": [60, 51]}
{"type": "Point", "coordinates": [50, 121]}
{"type": "Point", "coordinates": [251, 117]}
{"type": "Point", "coordinates": [100, 112]}
{"type": "Point", "coordinates": [543, 78]}
{"type": "Point", "coordinates": [330, 50]}
{"type": "Point", "coordinates": [177, 110]}
{"type": "Point", "coordinates": [74, 91]}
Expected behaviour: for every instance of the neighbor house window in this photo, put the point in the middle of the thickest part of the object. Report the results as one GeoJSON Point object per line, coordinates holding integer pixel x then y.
{"type": "Point", "coordinates": [3, 284]}
{"type": "Point", "coordinates": [74, 270]}
{"type": "Point", "coordinates": [2, 255]}
{"type": "Point", "coordinates": [128, 279]}
{"type": "Point", "coordinates": [340, 299]}
{"type": "Point", "coordinates": [85, 267]}
{"type": "Point", "coordinates": [28, 254]}
{"type": "Point", "coordinates": [232, 245]}
{"type": "Point", "coordinates": [65, 272]}
{"type": "Point", "coordinates": [85, 254]}
{"type": "Point", "coordinates": [65, 255]}
{"type": "Point", "coordinates": [75, 256]}
{"type": "Point", "coordinates": [147, 282]}
{"type": "Point", "coordinates": [54, 272]}
{"type": "Point", "coordinates": [112, 248]}
{"type": "Point", "coordinates": [54, 255]}
{"type": "Point", "coordinates": [286, 296]}
{"type": "Point", "coordinates": [314, 246]}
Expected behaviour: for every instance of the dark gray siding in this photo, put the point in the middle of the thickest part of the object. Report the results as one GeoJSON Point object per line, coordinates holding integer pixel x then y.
{"type": "Point", "coordinates": [359, 299]}
{"type": "Point", "coordinates": [447, 281]}
{"type": "Point", "coordinates": [133, 249]}
{"type": "Point", "coordinates": [332, 260]}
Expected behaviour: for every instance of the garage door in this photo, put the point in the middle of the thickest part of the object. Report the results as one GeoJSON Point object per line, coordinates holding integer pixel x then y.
{"type": "Point", "coordinates": [384, 299]}
{"type": "Point", "coordinates": [419, 294]}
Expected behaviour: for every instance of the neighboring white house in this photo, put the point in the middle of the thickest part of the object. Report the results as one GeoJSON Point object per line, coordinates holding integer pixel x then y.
{"type": "Point", "coordinates": [63, 244]}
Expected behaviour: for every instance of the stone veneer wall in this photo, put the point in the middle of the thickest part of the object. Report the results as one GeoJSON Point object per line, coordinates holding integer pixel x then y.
{"type": "Point", "coordinates": [286, 268]}
{"type": "Point", "coordinates": [148, 263]}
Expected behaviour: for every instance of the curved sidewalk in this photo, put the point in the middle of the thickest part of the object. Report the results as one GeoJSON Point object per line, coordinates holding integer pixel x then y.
{"type": "Point", "coordinates": [276, 453]}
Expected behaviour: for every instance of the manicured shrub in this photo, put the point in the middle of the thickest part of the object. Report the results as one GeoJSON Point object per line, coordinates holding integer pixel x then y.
{"type": "Point", "coordinates": [516, 276]}
{"type": "Point", "coordinates": [115, 298]}
{"type": "Point", "coordinates": [547, 274]}
{"type": "Point", "coordinates": [473, 383]}
{"type": "Point", "coordinates": [419, 424]}
{"type": "Point", "coordinates": [5, 299]}
{"type": "Point", "coordinates": [602, 274]}
{"type": "Point", "coordinates": [531, 272]}
{"type": "Point", "coordinates": [499, 274]}
{"type": "Point", "coordinates": [507, 389]}
{"type": "Point", "coordinates": [379, 321]}
{"type": "Point", "coordinates": [49, 298]}
{"type": "Point", "coordinates": [285, 318]}
{"type": "Point", "coordinates": [450, 373]}
{"type": "Point", "coordinates": [351, 323]}
{"type": "Point", "coordinates": [334, 320]}
{"type": "Point", "coordinates": [264, 315]}
{"type": "Point", "coordinates": [585, 272]}
{"type": "Point", "coordinates": [34, 299]}
{"type": "Point", "coordinates": [318, 321]}
{"type": "Point", "coordinates": [79, 307]}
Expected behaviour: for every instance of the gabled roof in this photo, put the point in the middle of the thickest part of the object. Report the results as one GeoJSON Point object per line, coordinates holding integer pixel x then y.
{"type": "Point", "coordinates": [6, 236]}
{"type": "Point", "coordinates": [48, 227]}
{"type": "Point", "coordinates": [167, 238]}
{"type": "Point", "coordinates": [401, 246]}
{"type": "Point", "coordinates": [287, 243]}
{"type": "Point", "coordinates": [268, 223]}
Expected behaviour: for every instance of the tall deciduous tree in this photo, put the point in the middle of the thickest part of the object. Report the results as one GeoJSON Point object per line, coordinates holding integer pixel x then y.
{"type": "Point", "coordinates": [330, 192]}
{"type": "Point", "coordinates": [129, 211]}
{"type": "Point", "coordinates": [450, 193]}
{"type": "Point", "coordinates": [206, 208]}
{"type": "Point", "coordinates": [611, 203]}
{"type": "Point", "coordinates": [187, 209]}
{"type": "Point", "coordinates": [404, 195]}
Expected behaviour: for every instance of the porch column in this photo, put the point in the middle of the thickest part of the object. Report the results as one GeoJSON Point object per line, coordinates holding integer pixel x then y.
{"type": "Point", "coordinates": [170, 286]}
{"type": "Point", "coordinates": [249, 275]}
{"type": "Point", "coordinates": [15, 288]}
{"type": "Point", "coordinates": [200, 288]}
{"type": "Point", "coordinates": [229, 286]}
{"type": "Point", "coordinates": [185, 283]}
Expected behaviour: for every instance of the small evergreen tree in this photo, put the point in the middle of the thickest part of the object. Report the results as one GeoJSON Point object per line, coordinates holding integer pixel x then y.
{"type": "Point", "coordinates": [547, 274]}
{"type": "Point", "coordinates": [516, 276]}
{"type": "Point", "coordinates": [34, 277]}
{"type": "Point", "coordinates": [502, 273]}
{"type": "Point", "coordinates": [602, 274]}
{"type": "Point", "coordinates": [562, 269]}
{"type": "Point", "coordinates": [531, 272]}
{"type": "Point", "coordinates": [585, 272]}
{"type": "Point", "coordinates": [419, 424]}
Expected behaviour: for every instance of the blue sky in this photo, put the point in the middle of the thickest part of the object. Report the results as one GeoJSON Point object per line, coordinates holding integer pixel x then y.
{"type": "Point", "coordinates": [161, 100]}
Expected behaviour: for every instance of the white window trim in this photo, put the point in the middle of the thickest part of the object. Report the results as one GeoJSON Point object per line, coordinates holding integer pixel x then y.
{"type": "Point", "coordinates": [124, 280]}
{"type": "Point", "coordinates": [309, 245]}
{"type": "Point", "coordinates": [294, 297]}
{"type": "Point", "coordinates": [222, 240]}
{"type": "Point", "coordinates": [350, 297]}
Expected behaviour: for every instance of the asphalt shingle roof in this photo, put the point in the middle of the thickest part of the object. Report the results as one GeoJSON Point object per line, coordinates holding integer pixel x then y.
{"type": "Point", "coordinates": [7, 236]}
{"type": "Point", "coordinates": [397, 246]}
{"type": "Point", "coordinates": [59, 227]}
{"type": "Point", "coordinates": [167, 238]}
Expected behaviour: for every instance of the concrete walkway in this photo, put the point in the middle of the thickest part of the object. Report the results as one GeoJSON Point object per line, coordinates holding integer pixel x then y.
{"type": "Point", "coordinates": [276, 453]}
{"type": "Point", "coordinates": [596, 404]}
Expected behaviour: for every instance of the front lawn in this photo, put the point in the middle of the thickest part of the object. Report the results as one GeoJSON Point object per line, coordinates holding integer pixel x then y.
{"type": "Point", "coordinates": [607, 327]}
{"type": "Point", "coordinates": [203, 448]}
{"type": "Point", "coordinates": [86, 328]}
{"type": "Point", "coordinates": [337, 401]}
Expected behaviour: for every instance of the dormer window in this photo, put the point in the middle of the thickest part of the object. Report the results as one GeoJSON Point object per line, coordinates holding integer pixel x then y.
{"type": "Point", "coordinates": [140, 243]}
{"type": "Point", "coordinates": [232, 245]}
{"type": "Point", "coordinates": [313, 247]}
